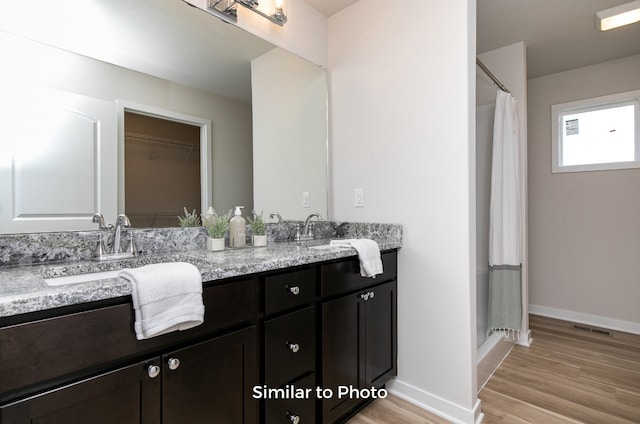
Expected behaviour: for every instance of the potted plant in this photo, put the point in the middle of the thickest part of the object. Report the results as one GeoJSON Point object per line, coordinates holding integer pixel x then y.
{"type": "Point", "coordinates": [258, 233]}
{"type": "Point", "coordinates": [189, 219]}
{"type": "Point", "coordinates": [216, 226]}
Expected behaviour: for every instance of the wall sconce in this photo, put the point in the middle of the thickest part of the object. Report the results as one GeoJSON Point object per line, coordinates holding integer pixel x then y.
{"type": "Point", "coordinates": [227, 9]}
{"type": "Point", "coordinates": [618, 16]}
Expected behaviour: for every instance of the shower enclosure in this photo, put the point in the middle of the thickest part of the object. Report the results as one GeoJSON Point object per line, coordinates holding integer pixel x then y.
{"type": "Point", "coordinates": [509, 65]}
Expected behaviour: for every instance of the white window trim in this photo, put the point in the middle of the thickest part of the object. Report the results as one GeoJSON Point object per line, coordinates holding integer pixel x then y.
{"type": "Point", "coordinates": [619, 99]}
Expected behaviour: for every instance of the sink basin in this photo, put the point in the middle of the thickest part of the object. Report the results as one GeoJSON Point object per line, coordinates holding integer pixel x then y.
{"type": "Point", "coordinates": [81, 278]}
{"type": "Point", "coordinates": [59, 275]}
{"type": "Point", "coordinates": [329, 247]}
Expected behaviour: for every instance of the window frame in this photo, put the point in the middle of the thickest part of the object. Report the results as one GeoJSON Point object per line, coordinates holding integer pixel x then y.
{"type": "Point", "coordinates": [587, 105]}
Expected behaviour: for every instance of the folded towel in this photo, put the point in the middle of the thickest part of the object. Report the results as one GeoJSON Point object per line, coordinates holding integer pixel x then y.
{"type": "Point", "coordinates": [368, 254]}
{"type": "Point", "coordinates": [166, 297]}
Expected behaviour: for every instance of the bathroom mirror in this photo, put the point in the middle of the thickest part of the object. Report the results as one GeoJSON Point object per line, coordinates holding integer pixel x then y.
{"type": "Point", "coordinates": [166, 55]}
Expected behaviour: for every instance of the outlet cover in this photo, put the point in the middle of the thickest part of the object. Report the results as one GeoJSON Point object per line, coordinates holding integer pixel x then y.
{"type": "Point", "coordinates": [358, 198]}
{"type": "Point", "coordinates": [305, 199]}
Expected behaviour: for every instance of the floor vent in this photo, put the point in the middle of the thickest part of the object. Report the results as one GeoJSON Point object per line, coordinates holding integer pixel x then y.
{"type": "Point", "coordinates": [592, 330]}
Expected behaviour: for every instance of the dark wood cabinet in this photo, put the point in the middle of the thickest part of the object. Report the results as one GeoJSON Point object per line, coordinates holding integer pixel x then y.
{"type": "Point", "coordinates": [359, 335]}
{"type": "Point", "coordinates": [304, 328]}
{"type": "Point", "coordinates": [207, 382]}
{"type": "Point", "coordinates": [290, 348]}
{"type": "Point", "coordinates": [343, 327]}
{"type": "Point", "coordinates": [211, 381]}
{"type": "Point", "coordinates": [127, 395]}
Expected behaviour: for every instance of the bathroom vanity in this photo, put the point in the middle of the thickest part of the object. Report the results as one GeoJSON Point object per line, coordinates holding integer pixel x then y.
{"type": "Point", "coordinates": [288, 317]}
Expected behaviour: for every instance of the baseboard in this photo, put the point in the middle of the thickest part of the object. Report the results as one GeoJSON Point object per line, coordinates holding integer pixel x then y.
{"type": "Point", "coordinates": [579, 317]}
{"type": "Point", "coordinates": [436, 405]}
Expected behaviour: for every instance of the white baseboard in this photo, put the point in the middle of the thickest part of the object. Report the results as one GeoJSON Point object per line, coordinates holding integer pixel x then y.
{"type": "Point", "coordinates": [579, 317]}
{"type": "Point", "coordinates": [436, 405]}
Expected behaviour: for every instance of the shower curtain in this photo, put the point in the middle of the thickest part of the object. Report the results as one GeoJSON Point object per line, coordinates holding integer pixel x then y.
{"type": "Point", "coordinates": [505, 221]}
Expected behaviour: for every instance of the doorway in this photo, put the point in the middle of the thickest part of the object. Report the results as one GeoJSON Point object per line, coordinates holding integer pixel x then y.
{"type": "Point", "coordinates": [162, 169]}
{"type": "Point", "coordinates": [164, 164]}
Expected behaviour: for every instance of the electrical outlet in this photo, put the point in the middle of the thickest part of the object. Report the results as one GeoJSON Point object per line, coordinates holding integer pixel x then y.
{"type": "Point", "coordinates": [305, 199]}
{"type": "Point", "coordinates": [358, 200]}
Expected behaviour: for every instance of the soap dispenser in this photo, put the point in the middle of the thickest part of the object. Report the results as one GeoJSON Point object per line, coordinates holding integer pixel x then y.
{"type": "Point", "coordinates": [238, 229]}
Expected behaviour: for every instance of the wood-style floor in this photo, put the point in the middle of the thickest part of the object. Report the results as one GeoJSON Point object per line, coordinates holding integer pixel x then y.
{"type": "Point", "coordinates": [568, 375]}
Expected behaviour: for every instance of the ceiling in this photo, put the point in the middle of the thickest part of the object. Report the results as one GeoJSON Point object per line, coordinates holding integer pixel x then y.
{"type": "Point", "coordinates": [330, 7]}
{"type": "Point", "coordinates": [559, 34]}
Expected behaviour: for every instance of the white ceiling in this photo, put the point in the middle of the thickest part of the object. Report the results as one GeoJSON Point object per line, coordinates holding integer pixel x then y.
{"type": "Point", "coordinates": [559, 34]}
{"type": "Point", "coordinates": [329, 7]}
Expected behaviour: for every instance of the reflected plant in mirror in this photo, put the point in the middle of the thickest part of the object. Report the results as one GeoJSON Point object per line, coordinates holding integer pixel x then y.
{"type": "Point", "coordinates": [189, 219]}
{"type": "Point", "coordinates": [257, 224]}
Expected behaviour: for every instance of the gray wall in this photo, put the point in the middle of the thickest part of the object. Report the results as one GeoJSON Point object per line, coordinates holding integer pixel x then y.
{"type": "Point", "coordinates": [584, 229]}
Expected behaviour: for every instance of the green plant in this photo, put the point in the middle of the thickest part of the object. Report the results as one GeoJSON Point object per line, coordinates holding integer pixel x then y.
{"type": "Point", "coordinates": [189, 219]}
{"type": "Point", "coordinates": [215, 224]}
{"type": "Point", "coordinates": [257, 224]}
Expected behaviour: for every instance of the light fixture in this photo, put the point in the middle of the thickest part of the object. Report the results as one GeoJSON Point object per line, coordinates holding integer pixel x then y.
{"type": "Point", "coordinates": [618, 16]}
{"type": "Point", "coordinates": [227, 9]}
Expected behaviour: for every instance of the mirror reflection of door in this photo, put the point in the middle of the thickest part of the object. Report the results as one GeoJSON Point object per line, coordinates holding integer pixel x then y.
{"type": "Point", "coordinates": [162, 170]}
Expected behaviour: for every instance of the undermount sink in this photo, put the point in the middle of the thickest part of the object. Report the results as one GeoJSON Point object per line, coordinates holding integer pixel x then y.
{"type": "Point", "coordinates": [81, 278]}
{"type": "Point", "coordinates": [59, 275]}
{"type": "Point", "coordinates": [330, 247]}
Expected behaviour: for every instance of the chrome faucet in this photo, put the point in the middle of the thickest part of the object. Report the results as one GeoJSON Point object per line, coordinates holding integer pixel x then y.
{"type": "Point", "coordinates": [306, 231]}
{"type": "Point", "coordinates": [116, 252]}
{"type": "Point", "coordinates": [276, 215]}
{"type": "Point", "coordinates": [121, 221]}
{"type": "Point", "coordinates": [99, 219]}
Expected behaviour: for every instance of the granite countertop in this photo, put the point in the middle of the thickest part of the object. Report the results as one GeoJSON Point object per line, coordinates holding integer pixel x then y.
{"type": "Point", "coordinates": [23, 288]}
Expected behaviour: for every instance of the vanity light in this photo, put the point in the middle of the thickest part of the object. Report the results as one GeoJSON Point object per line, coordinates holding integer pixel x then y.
{"type": "Point", "coordinates": [618, 16]}
{"type": "Point", "coordinates": [227, 9]}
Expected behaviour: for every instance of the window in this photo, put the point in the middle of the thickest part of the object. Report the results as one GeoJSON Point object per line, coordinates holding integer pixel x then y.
{"type": "Point", "coordinates": [596, 134]}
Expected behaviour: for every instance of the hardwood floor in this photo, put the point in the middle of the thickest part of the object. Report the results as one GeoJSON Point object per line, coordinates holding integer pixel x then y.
{"type": "Point", "coordinates": [568, 375]}
{"type": "Point", "coordinates": [394, 410]}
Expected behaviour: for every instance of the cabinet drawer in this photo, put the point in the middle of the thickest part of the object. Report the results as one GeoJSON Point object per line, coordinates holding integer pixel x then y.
{"type": "Point", "coordinates": [285, 411]}
{"type": "Point", "coordinates": [41, 351]}
{"type": "Point", "coordinates": [288, 290]}
{"type": "Point", "coordinates": [344, 276]}
{"type": "Point", "coordinates": [290, 346]}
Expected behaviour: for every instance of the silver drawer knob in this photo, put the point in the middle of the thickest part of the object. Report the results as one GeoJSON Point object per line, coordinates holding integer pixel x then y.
{"type": "Point", "coordinates": [294, 419]}
{"type": "Point", "coordinates": [365, 296]}
{"type": "Point", "coordinates": [371, 295]}
{"type": "Point", "coordinates": [153, 371]}
{"type": "Point", "coordinates": [295, 347]}
{"type": "Point", "coordinates": [173, 363]}
{"type": "Point", "coordinates": [294, 290]}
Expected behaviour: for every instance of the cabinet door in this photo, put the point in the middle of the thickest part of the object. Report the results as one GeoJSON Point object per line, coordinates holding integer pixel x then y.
{"type": "Point", "coordinates": [343, 327]}
{"type": "Point", "coordinates": [211, 382]}
{"type": "Point", "coordinates": [381, 334]}
{"type": "Point", "coordinates": [128, 395]}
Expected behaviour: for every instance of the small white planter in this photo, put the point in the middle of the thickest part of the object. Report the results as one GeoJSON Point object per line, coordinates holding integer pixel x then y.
{"type": "Point", "coordinates": [215, 244]}
{"type": "Point", "coordinates": [259, 240]}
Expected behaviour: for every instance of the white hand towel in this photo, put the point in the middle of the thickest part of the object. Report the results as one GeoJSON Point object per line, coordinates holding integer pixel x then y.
{"type": "Point", "coordinates": [166, 297]}
{"type": "Point", "coordinates": [368, 254]}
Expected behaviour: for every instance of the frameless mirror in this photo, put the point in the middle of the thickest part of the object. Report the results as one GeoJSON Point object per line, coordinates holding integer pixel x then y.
{"type": "Point", "coordinates": [163, 56]}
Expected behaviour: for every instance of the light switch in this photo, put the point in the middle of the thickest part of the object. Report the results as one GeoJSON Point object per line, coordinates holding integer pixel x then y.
{"type": "Point", "coordinates": [305, 199]}
{"type": "Point", "coordinates": [358, 198]}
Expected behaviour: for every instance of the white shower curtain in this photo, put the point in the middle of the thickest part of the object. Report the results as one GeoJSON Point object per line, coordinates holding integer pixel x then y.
{"type": "Point", "coordinates": [505, 221]}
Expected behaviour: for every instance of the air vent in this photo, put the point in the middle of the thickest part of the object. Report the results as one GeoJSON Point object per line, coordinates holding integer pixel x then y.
{"type": "Point", "coordinates": [591, 329]}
